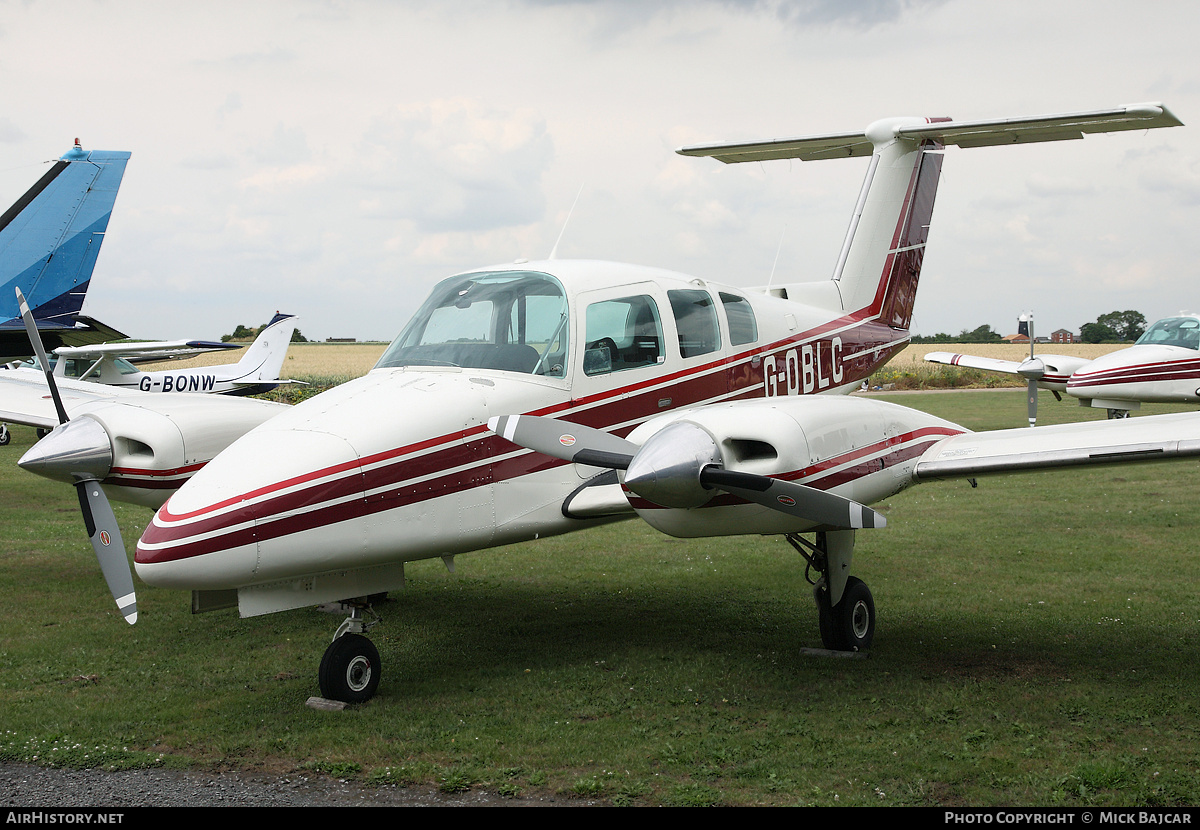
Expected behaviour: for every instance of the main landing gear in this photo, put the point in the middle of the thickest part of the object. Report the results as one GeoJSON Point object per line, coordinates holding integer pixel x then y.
{"type": "Point", "coordinates": [845, 609]}
{"type": "Point", "coordinates": [350, 668]}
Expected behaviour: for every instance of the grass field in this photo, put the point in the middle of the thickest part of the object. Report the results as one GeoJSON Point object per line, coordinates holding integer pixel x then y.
{"type": "Point", "coordinates": [1037, 646]}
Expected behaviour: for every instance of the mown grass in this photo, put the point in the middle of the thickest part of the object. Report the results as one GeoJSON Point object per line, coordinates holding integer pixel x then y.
{"type": "Point", "coordinates": [1037, 645]}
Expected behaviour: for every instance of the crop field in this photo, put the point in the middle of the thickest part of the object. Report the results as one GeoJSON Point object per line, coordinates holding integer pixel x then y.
{"type": "Point", "coordinates": [1038, 645]}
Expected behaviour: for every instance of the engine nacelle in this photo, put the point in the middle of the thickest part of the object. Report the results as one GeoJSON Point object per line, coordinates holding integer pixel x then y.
{"type": "Point", "coordinates": [862, 449]}
{"type": "Point", "coordinates": [146, 456]}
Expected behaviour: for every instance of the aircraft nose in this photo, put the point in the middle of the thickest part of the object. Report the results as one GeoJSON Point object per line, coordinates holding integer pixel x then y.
{"type": "Point", "coordinates": [265, 486]}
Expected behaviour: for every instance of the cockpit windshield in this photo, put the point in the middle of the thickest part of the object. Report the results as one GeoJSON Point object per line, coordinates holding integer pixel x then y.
{"type": "Point", "coordinates": [514, 321]}
{"type": "Point", "coordinates": [1173, 331]}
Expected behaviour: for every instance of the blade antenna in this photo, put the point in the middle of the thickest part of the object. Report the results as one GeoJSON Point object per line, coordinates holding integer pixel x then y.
{"type": "Point", "coordinates": [778, 248]}
{"type": "Point", "coordinates": [567, 221]}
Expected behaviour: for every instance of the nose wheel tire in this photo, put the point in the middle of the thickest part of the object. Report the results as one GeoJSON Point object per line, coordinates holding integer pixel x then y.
{"type": "Point", "coordinates": [849, 625]}
{"type": "Point", "coordinates": [349, 670]}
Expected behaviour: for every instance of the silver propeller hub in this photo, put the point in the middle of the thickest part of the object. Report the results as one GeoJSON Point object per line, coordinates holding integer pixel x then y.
{"type": "Point", "coordinates": [1032, 369]}
{"type": "Point", "coordinates": [74, 451]}
{"type": "Point", "coordinates": [666, 470]}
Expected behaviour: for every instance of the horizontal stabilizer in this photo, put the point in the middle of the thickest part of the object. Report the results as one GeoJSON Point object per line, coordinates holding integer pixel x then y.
{"type": "Point", "coordinates": [1055, 127]}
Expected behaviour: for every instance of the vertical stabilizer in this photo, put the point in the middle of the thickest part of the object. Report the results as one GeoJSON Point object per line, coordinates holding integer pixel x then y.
{"type": "Point", "coordinates": [51, 236]}
{"type": "Point", "coordinates": [880, 260]}
{"type": "Point", "coordinates": [263, 361]}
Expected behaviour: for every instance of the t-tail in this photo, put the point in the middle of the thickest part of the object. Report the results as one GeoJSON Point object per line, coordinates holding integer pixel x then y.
{"type": "Point", "coordinates": [51, 236]}
{"type": "Point", "coordinates": [879, 265]}
{"type": "Point", "coordinates": [258, 370]}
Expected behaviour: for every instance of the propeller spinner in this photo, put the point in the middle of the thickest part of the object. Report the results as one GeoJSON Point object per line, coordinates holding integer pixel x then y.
{"type": "Point", "coordinates": [680, 466]}
{"type": "Point", "coordinates": [80, 452]}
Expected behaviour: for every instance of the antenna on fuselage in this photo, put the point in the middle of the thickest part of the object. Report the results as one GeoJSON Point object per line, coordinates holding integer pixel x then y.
{"type": "Point", "coordinates": [778, 248]}
{"type": "Point", "coordinates": [554, 250]}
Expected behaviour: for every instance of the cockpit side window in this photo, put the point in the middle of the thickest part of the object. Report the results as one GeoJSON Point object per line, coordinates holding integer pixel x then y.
{"type": "Point", "coordinates": [513, 321]}
{"type": "Point", "coordinates": [622, 334]}
{"type": "Point", "coordinates": [743, 328]}
{"type": "Point", "coordinates": [696, 321]}
{"type": "Point", "coordinates": [1173, 331]}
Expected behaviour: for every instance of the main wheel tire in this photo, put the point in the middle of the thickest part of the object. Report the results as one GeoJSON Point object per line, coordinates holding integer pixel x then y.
{"type": "Point", "coordinates": [849, 625]}
{"type": "Point", "coordinates": [349, 670]}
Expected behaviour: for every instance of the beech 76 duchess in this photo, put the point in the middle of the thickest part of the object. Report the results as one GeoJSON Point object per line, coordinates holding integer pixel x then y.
{"type": "Point", "coordinates": [1163, 366]}
{"type": "Point", "coordinates": [545, 397]}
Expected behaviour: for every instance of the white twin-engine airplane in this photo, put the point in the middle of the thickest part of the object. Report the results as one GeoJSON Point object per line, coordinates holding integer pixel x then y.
{"type": "Point", "coordinates": [1162, 366]}
{"type": "Point", "coordinates": [640, 391]}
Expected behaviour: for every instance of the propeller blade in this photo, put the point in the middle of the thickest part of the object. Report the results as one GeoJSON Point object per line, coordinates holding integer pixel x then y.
{"type": "Point", "coordinates": [106, 540]}
{"type": "Point", "coordinates": [561, 439]}
{"type": "Point", "coordinates": [79, 454]}
{"type": "Point", "coordinates": [794, 499]}
{"type": "Point", "coordinates": [40, 351]}
{"type": "Point", "coordinates": [1032, 370]}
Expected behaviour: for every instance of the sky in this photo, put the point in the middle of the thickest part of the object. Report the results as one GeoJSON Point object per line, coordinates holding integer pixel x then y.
{"type": "Point", "coordinates": [335, 158]}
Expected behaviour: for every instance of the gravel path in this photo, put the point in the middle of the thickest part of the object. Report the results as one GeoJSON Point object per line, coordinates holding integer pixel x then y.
{"type": "Point", "coordinates": [26, 785]}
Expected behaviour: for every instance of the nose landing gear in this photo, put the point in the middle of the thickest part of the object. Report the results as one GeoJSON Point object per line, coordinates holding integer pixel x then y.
{"type": "Point", "coordinates": [350, 669]}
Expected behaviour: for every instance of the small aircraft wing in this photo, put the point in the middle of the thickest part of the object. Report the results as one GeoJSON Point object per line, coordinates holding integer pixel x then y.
{"type": "Point", "coordinates": [988, 364]}
{"type": "Point", "coordinates": [147, 351]}
{"type": "Point", "coordinates": [1092, 444]}
{"type": "Point", "coordinates": [25, 399]}
{"type": "Point", "coordinates": [1056, 127]}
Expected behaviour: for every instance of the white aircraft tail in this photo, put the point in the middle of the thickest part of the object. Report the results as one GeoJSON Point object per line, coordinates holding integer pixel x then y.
{"type": "Point", "coordinates": [880, 260]}
{"type": "Point", "coordinates": [263, 361]}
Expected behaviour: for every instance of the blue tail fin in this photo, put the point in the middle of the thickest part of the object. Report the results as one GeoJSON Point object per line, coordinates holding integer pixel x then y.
{"type": "Point", "coordinates": [50, 238]}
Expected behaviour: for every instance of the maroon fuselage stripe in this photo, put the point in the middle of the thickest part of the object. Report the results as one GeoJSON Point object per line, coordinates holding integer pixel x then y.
{"type": "Point", "coordinates": [869, 342]}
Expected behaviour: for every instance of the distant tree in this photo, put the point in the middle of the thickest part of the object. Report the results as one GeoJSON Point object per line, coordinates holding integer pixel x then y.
{"type": "Point", "coordinates": [1128, 325]}
{"type": "Point", "coordinates": [1099, 333]}
{"type": "Point", "coordinates": [297, 337]}
{"type": "Point", "coordinates": [983, 334]}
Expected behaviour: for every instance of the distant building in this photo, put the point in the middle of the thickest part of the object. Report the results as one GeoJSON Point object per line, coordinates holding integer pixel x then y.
{"type": "Point", "coordinates": [1016, 338]}
{"type": "Point", "coordinates": [1062, 336]}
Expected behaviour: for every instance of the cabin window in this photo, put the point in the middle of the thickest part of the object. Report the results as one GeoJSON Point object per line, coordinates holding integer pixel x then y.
{"type": "Point", "coordinates": [1173, 331]}
{"type": "Point", "coordinates": [514, 321]}
{"type": "Point", "coordinates": [124, 367]}
{"type": "Point", "coordinates": [743, 328]}
{"type": "Point", "coordinates": [622, 334]}
{"type": "Point", "coordinates": [696, 321]}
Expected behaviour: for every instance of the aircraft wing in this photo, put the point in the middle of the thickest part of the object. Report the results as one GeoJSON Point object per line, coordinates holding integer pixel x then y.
{"type": "Point", "coordinates": [1092, 444]}
{"type": "Point", "coordinates": [14, 341]}
{"type": "Point", "coordinates": [25, 398]}
{"type": "Point", "coordinates": [147, 351]}
{"type": "Point", "coordinates": [1056, 127]}
{"type": "Point", "coordinates": [972, 362]}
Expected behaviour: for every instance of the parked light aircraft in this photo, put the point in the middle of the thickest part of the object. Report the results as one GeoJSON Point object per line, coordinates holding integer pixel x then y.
{"type": "Point", "coordinates": [113, 364]}
{"type": "Point", "coordinates": [1163, 365]}
{"type": "Point", "coordinates": [49, 241]}
{"type": "Point", "coordinates": [642, 392]}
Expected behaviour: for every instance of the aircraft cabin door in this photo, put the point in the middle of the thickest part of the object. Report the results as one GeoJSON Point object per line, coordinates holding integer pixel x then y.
{"type": "Point", "coordinates": [621, 355]}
